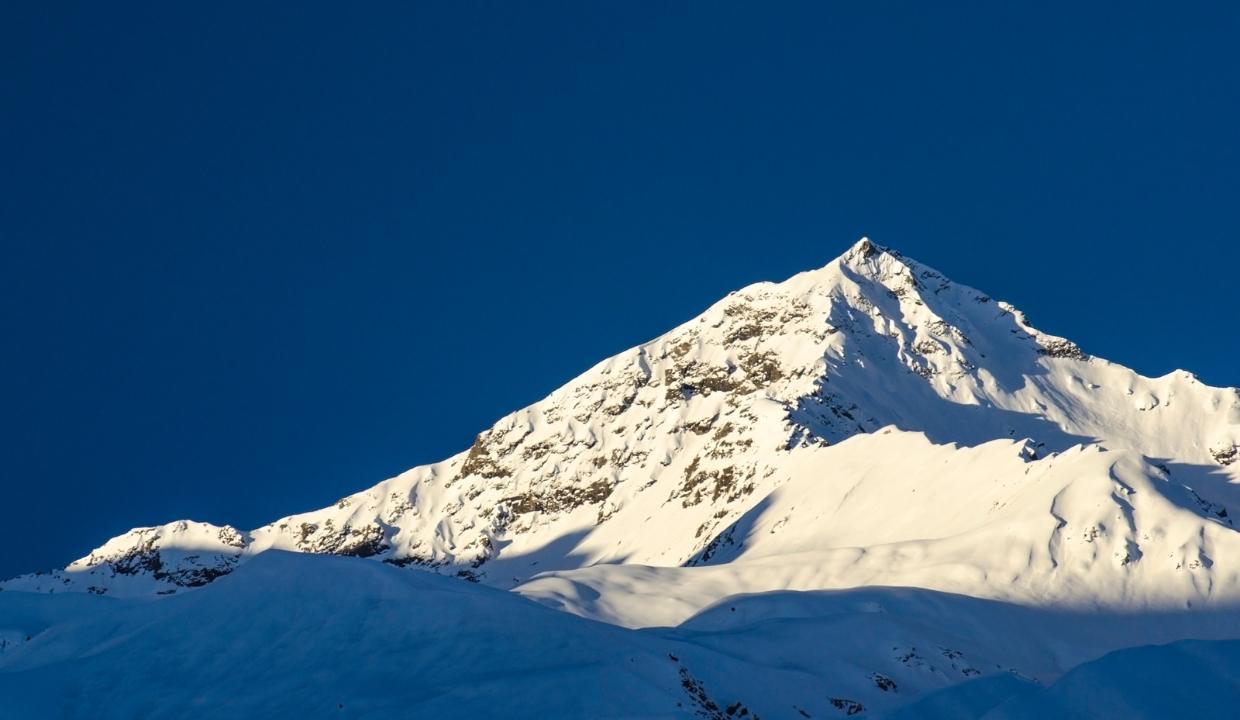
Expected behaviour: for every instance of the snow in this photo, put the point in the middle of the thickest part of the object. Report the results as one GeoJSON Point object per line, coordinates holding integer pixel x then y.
{"type": "Point", "coordinates": [1085, 528]}
{"type": "Point", "coordinates": [301, 635]}
{"type": "Point", "coordinates": [1185, 679]}
{"type": "Point", "coordinates": [866, 489]}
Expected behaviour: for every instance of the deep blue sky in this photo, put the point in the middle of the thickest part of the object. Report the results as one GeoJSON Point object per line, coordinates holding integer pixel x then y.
{"type": "Point", "coordinates": [258, 257]}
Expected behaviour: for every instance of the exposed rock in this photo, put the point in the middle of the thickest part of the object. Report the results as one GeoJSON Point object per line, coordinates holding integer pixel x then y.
{"type": "Point", "coordinates": [1059, 348]}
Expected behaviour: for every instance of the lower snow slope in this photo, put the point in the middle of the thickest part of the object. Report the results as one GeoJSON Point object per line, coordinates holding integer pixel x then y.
{"type": "Point", "coordinates": [1192, 678]}
{"type": "Point", "coordinates": [1085, 528]}
{"type": "Point", "coordinates": [885, 574]}
{"type": "Point", "coordinates": [295, 636]}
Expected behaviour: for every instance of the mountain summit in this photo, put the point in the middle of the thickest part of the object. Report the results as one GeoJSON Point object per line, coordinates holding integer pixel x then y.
{"type": "Point", "coordinates": [905, 413]}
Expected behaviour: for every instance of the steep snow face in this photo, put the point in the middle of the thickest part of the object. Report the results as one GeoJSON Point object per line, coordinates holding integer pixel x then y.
{"type": "Point", "coordinates": [660, 454]}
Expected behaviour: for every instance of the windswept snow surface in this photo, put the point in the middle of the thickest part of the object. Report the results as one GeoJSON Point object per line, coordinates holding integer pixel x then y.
{"type": "Point", "coordinates": [297, 635]}
{"type": "Point", "coordinates": [863, 489]}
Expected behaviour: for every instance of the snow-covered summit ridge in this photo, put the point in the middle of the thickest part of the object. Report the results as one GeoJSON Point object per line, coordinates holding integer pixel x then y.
{"type": "Point", "coordinates": [654, 455]}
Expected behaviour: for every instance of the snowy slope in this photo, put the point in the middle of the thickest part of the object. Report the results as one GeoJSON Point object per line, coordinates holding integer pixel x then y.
{"type": "Point", "coordinates": [650, 455]}
{"type": "Point", "coordinates": [297, 635]}
{"type": "Point", "coordinates": [1085, 528]}
{"type": "Point", "coordinates": [1186, 679]}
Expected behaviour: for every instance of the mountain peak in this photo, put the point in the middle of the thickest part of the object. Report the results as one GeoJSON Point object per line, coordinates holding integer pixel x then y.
{"type": "Point", "coordinates": [877, 262]}
{"type": "Point", "coordinates": [863, 249]}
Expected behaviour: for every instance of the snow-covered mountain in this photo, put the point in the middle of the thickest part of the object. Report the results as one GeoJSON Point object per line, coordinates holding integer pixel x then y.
{"type": "Point", "coordinates": [653, 456]}
{"type": "Point", "coordinates": [869, 424]}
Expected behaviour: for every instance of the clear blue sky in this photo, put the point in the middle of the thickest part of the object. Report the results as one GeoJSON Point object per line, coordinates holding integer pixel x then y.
{"type": "Point", "coordinates": [258, 257]}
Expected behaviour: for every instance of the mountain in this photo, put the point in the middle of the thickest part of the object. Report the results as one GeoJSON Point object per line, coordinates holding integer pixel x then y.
{"type": "Point", "coordinates": [869, 424]}
{"type": "Point", "coordinates": [654, 456]}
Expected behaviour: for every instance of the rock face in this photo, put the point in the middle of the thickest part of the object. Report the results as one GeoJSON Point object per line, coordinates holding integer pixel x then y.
{"type": "Point", "coordinates": [674, 453]}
